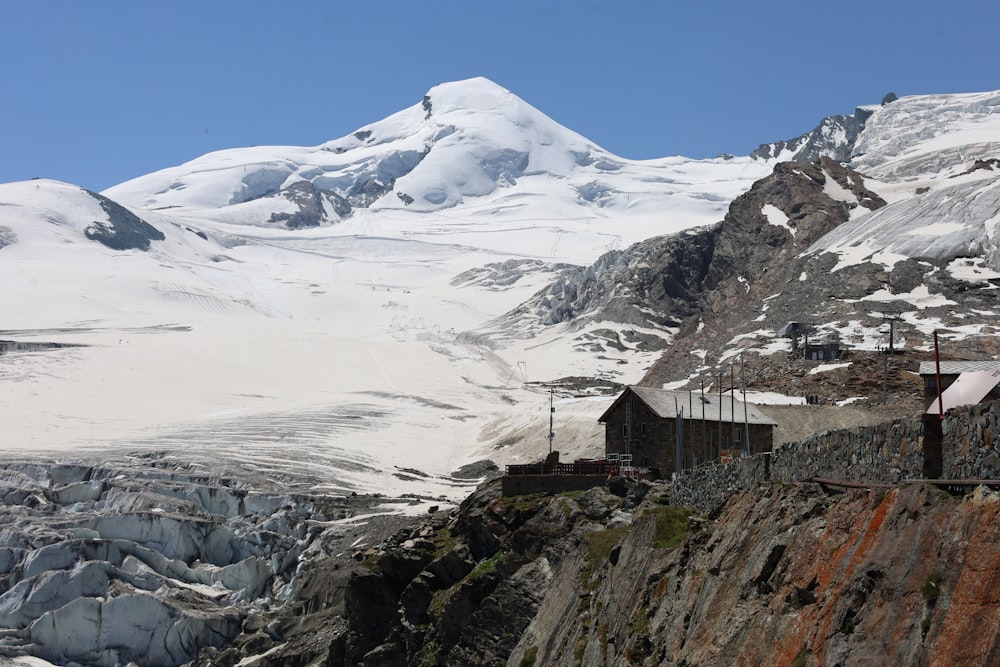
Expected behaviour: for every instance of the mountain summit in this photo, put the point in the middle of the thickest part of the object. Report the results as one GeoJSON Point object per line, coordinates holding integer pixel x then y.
{"type": "Point", "coordinates": [466, 141]}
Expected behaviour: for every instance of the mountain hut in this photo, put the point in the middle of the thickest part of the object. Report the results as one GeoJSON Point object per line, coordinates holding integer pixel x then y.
{"type": "Point", "coordinates": [674, 430]}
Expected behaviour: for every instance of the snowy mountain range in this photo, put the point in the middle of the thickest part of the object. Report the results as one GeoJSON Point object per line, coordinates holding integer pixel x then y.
{"type": "Point", "coordinates": [469, 144]}
{"type": "Point", "coordinates": [286, 278]}
{"type": "Point", "coordinates": [434, 229]}
{"type": "Point", "coordinates": [372, 314]}
{"type": "Point", "coordinates": [298, 275]}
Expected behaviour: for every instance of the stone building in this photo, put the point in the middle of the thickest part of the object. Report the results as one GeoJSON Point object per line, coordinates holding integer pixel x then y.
{"type": "Point", "coordinates": [674, 430]}
{"type": "Point", "coordinates": [824, 347]}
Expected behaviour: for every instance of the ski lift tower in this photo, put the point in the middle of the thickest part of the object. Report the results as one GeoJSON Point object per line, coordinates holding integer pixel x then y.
{"type": "Point", "coordinates": [794, 330]}
{"type": "Point", "coordinates": [892, 313]}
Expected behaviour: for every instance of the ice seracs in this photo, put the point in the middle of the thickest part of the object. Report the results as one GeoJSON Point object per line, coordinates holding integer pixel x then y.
{"type": "Point", "coordinates": [928, 135]}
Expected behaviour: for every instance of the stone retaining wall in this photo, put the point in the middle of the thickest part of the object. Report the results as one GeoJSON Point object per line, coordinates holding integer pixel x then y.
{"type": "Point", "coordinates": [885, 453]}
{"type": "Point", "coordinates": [969, 440]}
{"type": "Point", "coordinates": [520, 485]}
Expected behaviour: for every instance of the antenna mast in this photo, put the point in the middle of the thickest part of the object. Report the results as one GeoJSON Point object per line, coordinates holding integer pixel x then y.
{"type": "Point", "coordinates": [552, 412]}
{"type": "Point", "coordinates": [746, 413]}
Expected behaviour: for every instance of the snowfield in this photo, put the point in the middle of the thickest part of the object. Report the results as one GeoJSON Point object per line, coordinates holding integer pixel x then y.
{"type": "Point", "coordinates": [357, 341]}
{"type": "Point", "coordinates": [347, 349]}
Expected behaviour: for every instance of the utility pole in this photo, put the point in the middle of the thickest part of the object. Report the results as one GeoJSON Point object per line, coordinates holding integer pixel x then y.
{"type": "Point", "coordinates": [937, 377]}
{"type": "Point", "coordinates": [732, 406]}
{"type": "Point", "coordinates": [694, 456]}
{"type": "Point", "coordinates": [678, 438]}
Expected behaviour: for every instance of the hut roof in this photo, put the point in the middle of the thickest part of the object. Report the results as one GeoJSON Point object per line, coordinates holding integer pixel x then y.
{"type": "Point", "coordinates": [668, 404]}
{"type": "Point", "coordinates": [957, 367]}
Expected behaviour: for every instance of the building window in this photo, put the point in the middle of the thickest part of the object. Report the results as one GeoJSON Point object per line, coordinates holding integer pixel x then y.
{"type": "Point", "coordinates": [739, 435]}
{"type": "Point", "coordinates": [624, 430]}
{"type": "Point", "coordinates": [642, 430]}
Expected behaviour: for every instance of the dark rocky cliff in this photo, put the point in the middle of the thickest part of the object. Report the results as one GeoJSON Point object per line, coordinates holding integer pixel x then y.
{"type": "Point", "coordinates": [123, 230]}
{"type": "Point", "coordinates": [786, 575]}
{"type": "Point", "coordinates": [703, 286]}
{"type": "Point", "coordinates": [703, 295]}
{"type": "Point", "coordinates": [834, 137]}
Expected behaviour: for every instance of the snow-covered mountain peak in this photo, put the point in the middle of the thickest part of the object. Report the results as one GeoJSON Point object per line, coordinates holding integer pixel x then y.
{"type": "Point", "coordinates": [469, 143]}
{"type": "Point", "coordinates": [477, 135]}
{"type": "Point", "coordinates": [447, 108]}
{"type": "Point", "coordinates": [480, 105]}
{"type": "Point", "coordinates": [475, 94]}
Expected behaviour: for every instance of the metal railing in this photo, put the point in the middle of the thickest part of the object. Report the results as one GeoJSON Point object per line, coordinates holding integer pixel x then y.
{"type": "Point", "coordinates": [576, 468]}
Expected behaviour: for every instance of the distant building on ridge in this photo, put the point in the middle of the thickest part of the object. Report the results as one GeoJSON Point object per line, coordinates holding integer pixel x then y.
{"type": "Point", "coordinates": [675, 430]}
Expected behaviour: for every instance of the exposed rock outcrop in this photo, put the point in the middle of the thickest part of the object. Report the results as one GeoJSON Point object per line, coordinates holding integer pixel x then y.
{"type": "Point", "coordinates": [7, 236]}
{"type": "Point", "coordinates": [123, 230]}
{"type": "Point", "coordinates": [748, 265]}
{"type": "Point", "coordinates": [834, 138]}
{"type": "Point", "coordinates": [314, 207]}
{"type": "Point", "coordinates": [784, 575]}
{"type": "Point", "coordinates": [703, 295]}
{"type": "Point", "coordinates": [471, 604]}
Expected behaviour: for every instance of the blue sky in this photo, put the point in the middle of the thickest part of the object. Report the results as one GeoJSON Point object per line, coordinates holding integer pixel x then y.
{"type": "Point", "coordinates": [95, 93]}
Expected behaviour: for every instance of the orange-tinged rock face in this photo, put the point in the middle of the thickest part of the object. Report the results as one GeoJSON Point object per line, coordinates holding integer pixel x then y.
{"type": "Point", "coordinates": [882, 577]}
{"type": "Point", "coordinates": [970, 624]}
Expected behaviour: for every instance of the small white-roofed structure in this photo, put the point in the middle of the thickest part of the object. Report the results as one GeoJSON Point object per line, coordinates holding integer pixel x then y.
{"type": "Point", "coordinates": [967, 389]}
{"type": "Point", "coordinates": [962, 383]}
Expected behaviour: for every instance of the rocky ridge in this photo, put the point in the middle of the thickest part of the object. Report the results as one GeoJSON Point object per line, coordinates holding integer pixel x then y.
{"type": "Point", "coordinates": [612, 576]}
{"type": "Point", "coordinates": [669, 287]}
{"type": "Point", "coordinates": [834, 137]}
{"type": "Point", "coordinates": [123, 230]}
{"type": "Point", "coordinates": [707, 295]}
{"type": "Point", "coordinates": [313, 207]}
